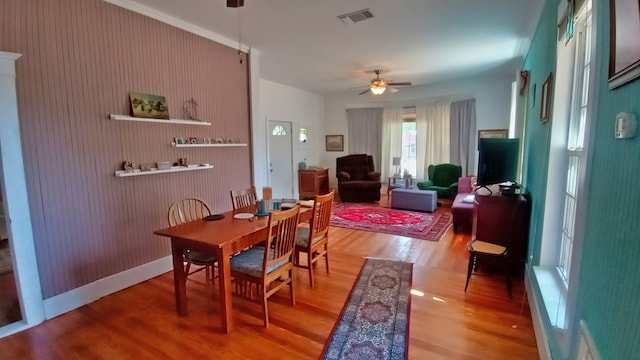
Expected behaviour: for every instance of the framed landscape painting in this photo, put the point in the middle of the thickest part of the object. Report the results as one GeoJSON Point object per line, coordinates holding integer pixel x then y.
{"type": "Point", "coordinates": [335, 143]}
{"type": "Point", "coordinates": [148, 106]}
{"type": "Point", "coordinates": [493, 133]}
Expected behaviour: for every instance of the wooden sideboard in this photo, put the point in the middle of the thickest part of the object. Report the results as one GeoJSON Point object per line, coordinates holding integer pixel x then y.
{"type": "Point", "coordinates": [312, 182]}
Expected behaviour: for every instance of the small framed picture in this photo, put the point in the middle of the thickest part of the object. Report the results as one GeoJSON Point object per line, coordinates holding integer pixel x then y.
{"type": "Point", "coordinates": [494, 133]}
{"type": "Point", "coordinates": [206, 140]}
{"type": "Point", "coordinates": [334, 143]}
{"type": "Point", "coordinates": [545, 99]}
{"type": "Point", "coordinates": [179, 140]}
{"type": "Point", "coordinates": [193, 140]}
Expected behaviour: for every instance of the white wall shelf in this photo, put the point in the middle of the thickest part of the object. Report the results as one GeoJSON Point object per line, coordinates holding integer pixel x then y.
{"type": "Point", "coordinates": [154, 171]}
{"type": "Point", "coordinates": [164, 121]}
{"type": "Point", "coordinates": [207, 145]}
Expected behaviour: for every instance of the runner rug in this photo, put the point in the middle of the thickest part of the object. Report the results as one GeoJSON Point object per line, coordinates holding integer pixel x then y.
{"type": "Point", "coordinates": [374, 323]}
{"type": "Point", "coordinates": [425, 226]}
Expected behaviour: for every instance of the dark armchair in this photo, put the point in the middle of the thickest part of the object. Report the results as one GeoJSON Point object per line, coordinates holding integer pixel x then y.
{"type": "Point", "coordinates": [443, 179]}
{"type": "Point", "coordinates": [357, 179]}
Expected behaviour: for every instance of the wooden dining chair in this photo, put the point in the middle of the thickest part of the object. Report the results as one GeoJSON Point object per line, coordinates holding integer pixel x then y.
{"type": "Point", "coordinates": [186, 210]}
{"type": "Point", "coordinates": [243, 198]}
{"type": "Point", "coordinates": [268, 271]}
{"type": "Point", "coordinates": [314, 239]}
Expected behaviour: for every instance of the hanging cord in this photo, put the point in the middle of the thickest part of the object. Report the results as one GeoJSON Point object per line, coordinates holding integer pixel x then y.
{"type": "Point", "coordinates": [240, 37]}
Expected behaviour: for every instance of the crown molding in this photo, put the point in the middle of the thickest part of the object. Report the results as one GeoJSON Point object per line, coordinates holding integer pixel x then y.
{"type": "Point", "coordinates": [175, 22]}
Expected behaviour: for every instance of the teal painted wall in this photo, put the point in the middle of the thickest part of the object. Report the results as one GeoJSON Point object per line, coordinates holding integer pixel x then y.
{"type": "Point", "coordinates": [609, 278]}
{"type": "Point", "coordinates": [609, 293]}
{"type": "Point", "coordinates": [540, 61]}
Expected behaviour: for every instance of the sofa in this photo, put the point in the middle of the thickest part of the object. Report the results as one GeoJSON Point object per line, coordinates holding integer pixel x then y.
{"type": "Point", "coordinates": [357, 179]}
{"type": "Point", "coordinates": [443, 179]}
{"type": "Point", "coordinates": [462, 207]}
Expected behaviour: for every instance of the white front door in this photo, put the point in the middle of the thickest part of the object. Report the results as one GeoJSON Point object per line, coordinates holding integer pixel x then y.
{"type": "Point", "coordinates": [281, 158]}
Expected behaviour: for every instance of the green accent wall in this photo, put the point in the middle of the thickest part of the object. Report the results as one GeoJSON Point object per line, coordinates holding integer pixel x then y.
{"type": "Point", "coordinates": [609, 277]}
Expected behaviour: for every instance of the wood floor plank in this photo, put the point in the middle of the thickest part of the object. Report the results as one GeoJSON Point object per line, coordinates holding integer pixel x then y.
{"type": "Point", "coordinates": [446, 323]}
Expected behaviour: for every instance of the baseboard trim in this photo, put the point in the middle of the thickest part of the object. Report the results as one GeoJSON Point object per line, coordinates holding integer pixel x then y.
{"type": "Point", "coordinates": [71, 300]}
{"type": "Point", "coordinates": [538, 324]}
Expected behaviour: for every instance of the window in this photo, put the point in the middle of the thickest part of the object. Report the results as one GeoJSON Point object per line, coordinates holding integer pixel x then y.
{"type": "Point", "coordinates": [279, 130]}
{"type": "Point", "coordinates": [576, 157]}
{"type": "Point", "coordinates": [409, 146]}
{"type": "Point", "coordinates": [565, 200]}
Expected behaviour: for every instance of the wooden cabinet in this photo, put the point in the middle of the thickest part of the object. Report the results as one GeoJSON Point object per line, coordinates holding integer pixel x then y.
{"type": "Point", "coordinates": [312, 182]}
{"type": "Point", "coordinates": [504, 220]}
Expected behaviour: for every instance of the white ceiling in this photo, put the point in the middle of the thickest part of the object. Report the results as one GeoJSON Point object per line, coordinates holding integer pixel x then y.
{"type": "Point", "coordinates": [303, 44]}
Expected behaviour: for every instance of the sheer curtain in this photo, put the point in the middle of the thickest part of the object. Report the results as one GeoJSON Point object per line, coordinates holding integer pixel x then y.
{"type": "Point", "coordinates": [463, 127]}
{"type": "Point", "coordinates": [391, 139]}
{"type": "Point", "coordinates": [365, 132]}
{"type": "Point", "coordinates": [433, 136]}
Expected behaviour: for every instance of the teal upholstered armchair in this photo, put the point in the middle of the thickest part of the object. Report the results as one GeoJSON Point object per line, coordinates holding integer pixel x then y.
{"type": "Point", "coordinates": [443, 179]}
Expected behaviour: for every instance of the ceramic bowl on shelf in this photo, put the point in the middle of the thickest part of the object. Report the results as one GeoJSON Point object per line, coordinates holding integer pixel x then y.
{"type": "Point", "coordinates": [163, 165]}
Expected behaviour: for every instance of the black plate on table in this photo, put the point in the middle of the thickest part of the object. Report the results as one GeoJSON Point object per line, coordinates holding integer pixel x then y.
{"type": "Point", "coordinates": [214, 217]}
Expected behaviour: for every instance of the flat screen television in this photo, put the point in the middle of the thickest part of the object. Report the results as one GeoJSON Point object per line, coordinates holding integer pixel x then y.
{"type": "Point", "coordinates": [497, 160]}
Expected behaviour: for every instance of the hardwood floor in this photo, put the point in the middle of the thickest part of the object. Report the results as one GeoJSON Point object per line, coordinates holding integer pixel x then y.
{"type": "Point", "coordinates": [446, 323]}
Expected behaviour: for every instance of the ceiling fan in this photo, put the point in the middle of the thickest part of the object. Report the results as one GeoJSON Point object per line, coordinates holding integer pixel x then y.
{"type": "Point", "coordinates": [378, 85]}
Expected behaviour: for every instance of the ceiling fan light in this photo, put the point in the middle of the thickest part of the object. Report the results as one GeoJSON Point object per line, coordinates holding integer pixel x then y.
{"type": "Point", "coordinates": [378, 90]}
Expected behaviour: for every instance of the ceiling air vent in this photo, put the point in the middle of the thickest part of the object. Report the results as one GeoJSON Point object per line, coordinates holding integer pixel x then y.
{"type": "Point", "coordinates": [356, 16]}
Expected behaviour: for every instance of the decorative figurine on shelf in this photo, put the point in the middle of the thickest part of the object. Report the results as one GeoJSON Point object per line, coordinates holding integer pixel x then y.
{"type": "Point", "coordinates": [190, 109]}
{"type": "Point", "coordinates": [128, 166]}
{"type": "Point", "coordinates": [183, 162]}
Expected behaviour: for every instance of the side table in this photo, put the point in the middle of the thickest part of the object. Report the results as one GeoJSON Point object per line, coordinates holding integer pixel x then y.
{"type": "Point", "coordinates": [399, 182]}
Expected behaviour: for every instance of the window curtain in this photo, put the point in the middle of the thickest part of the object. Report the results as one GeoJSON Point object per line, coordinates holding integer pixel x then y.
{"type": "Point", "coordinates": [463, 125]}
{"type": "Point", "coordinates": [365, 132]}
{"type": "Point", "coordinates": [391, 139]}
{"type": "Point", "coordinates": [432, 136]}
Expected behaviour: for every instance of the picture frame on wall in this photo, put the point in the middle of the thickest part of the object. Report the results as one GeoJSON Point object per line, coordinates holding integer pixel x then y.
{"type": "Point", "coordinates": [545, 99]}
{"type": "Point", "coordinates": [624, 49]}
{"type": "Point", "coordinates": [334, 143]}
{"type": "Point", "coordinates": [148, 106]}
{"type": "Point", "coordinates": [492, 134]}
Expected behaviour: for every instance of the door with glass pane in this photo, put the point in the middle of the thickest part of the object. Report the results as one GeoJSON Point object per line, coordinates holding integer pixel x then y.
{"type": "Point", "coordinates": [281, 159]}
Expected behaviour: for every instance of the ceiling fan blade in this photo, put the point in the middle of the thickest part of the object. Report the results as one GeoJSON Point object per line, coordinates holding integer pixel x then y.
{"type": "Point", "coordinates": [406, 83]}
{"type": "Point", "coordinates": [364, 92]}
{"type": "Point", "coordinates": [235, 3]}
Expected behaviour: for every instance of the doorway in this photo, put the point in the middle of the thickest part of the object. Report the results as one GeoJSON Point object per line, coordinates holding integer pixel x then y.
{"type": "Point", "coordinates": [281, 159]}
{"type": "Point", "coordinates": [15, 203]}
{"type": "Point", "coordinates": [9, 301]}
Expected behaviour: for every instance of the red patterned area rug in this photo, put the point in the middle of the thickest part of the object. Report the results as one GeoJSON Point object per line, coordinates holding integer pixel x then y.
{"type": "Point", "coordinates": [418, 225]}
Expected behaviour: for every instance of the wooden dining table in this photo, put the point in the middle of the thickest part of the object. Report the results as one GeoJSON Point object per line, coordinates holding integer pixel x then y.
{"type": "Point", "coordinates": [224, 238]}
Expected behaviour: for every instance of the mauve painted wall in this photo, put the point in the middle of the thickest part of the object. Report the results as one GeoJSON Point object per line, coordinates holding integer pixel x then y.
{"type": "Point", "coordinates": [81, 58]}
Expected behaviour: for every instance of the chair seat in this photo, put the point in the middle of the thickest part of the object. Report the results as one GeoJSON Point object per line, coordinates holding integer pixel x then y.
{"type": "Point", "coordinates": [200, 258]}
{"type": "Point", "coordinates": [484, 247]}
{"type": "Point", "coordinates": [249, 262]}
{"type": "Point", "coordinates": [303, 237]}
{"type": "Point", "coordinates": [361, 185]}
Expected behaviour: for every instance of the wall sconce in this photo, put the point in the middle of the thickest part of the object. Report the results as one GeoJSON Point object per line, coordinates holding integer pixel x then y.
{"type": "Point", "coordinates": [303, 135]}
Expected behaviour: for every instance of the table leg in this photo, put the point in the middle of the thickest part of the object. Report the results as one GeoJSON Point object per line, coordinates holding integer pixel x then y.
{"type": "Point", "coordinates": [179, 277]}
{"type": "Point", "coordinates": [226, 309]}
